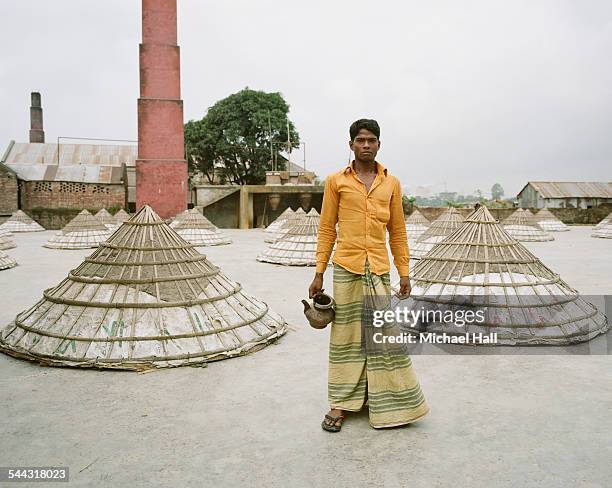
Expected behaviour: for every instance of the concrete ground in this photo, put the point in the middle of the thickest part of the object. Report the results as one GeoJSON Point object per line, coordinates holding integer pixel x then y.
{"type": "Point", "coordinates": [495, 421]}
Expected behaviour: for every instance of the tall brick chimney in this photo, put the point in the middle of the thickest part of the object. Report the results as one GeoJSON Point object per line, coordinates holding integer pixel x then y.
{"type": "Point", "coordinates": [37, 134]}
{"type": "Point", "coordinates": [161, 169]}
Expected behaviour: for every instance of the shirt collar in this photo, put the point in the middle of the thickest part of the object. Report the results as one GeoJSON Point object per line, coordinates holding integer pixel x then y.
{"type": "Point", "coordinates": [380, 169]}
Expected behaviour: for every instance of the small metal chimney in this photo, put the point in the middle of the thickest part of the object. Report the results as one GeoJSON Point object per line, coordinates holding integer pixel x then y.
{"type": "Point", "coordinates": [37, 134]}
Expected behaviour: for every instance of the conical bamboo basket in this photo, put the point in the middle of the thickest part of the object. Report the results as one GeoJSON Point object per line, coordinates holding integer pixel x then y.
{"type": "Point", "coordinates": [6, 261]}
{"type": "Point", "coordinates": [604, 231]}
{"type": "Point", "coordinates": [121, 216]}
{"type": "Point", "coordinates": [83, 232]}
{"type": "Point", "coordinates": [107, 219]}
{"type": "Point", "coordinates": [6, 242]}
{"type": "Point", "coordinates": [144, 299]}
{"type": "Point", "coordinates": [290, 222]}
{"type": "Point", "coordinates": [416, 225]}
{"type": "Point", "coordinates": [275, 226]}
{"type": "Point", "coordinates": [523, 226]}
{"type": "Point", "coordinates": [21, 222]}
{"type": "Point", "coordinates": [198, 230]}
{"type": "Point", "coordinates": [298, 245]}
{"type": "Point", "coordinates": [177, 219]}
{"type": "Point", "coordinates": [444, 225]}
{"type": "Point", "coordinates": [525, 303]}
{"type": "Point", "coordinates": [549, 221]}
{"type": "Point", "coordinates": [5, 233]}
{"type": "Point", "coordinates": [605, 221]}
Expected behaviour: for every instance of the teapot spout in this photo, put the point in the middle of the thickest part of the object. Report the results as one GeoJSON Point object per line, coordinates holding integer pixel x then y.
{"type": "Point", "coordinates": [306, 305]}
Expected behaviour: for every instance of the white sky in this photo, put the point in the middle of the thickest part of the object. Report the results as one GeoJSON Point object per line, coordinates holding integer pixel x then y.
{"type": "Point", "coordinates": [467, 93]}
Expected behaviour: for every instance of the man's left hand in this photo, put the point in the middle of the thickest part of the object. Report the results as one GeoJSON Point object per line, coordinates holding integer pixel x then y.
{"type": "Point", "coordinates": [404, 289]}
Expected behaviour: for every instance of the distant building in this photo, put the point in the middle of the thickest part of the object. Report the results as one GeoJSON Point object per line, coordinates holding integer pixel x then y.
{"type": "Point", "coordinates": [52, 181]}
{"type": "Point", "coordinates": [71, 176]}
{"type": "Point", "coordinates": [449, 196]}
{"type": "Point", "coordinates": [564, 194]}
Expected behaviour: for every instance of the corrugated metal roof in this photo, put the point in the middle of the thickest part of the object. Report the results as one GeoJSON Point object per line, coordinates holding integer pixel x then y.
{"type": "Point", "coordinates": [85, 163]}
{"type": "Point", "coordinates": [6, 169]}
{"type": "Point", "coordinates": [572, 189]}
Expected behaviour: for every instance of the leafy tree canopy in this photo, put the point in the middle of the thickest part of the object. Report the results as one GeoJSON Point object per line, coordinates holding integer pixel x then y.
{"type": "Point", "coordinates": [233, 139]}
{"type": "Point", "coordinates": [497, 192]}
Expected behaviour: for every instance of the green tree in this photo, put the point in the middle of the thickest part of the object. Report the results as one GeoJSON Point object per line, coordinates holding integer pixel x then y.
{"type": "Point", "coordinates": [233, 139]}
{"type": "Point", "coordinates": [497, 192]}
{"type": "Point", "coordinates": [199, 149]}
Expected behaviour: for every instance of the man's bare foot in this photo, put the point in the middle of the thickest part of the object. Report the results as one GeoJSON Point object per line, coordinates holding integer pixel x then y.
{"type": "Point", "coordinates": [333, 420]}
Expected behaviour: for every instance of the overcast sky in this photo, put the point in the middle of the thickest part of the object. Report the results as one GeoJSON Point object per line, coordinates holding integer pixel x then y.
{"type": "Point", "coordinates": [467, 93]}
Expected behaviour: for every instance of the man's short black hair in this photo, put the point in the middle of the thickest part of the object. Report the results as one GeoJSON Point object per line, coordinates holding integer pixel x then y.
{"type": "Point", "coordinates": [368, 124]}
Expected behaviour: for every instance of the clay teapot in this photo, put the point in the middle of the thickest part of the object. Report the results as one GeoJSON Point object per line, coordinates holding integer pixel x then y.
{"type": "Point", "coordinates": [321, 312]}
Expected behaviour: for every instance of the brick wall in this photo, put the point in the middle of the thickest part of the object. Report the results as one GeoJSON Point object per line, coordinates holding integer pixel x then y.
{"type": "Point", "coordinates": [8, 192]}
{"type": "Point", "coordinates": [581, 216]}
{"type": "Point", "coordinates": [54, 203]}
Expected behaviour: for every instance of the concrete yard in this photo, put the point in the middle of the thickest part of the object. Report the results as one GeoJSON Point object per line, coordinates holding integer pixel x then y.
{"type": "Point", "coordinates": [495, 421]}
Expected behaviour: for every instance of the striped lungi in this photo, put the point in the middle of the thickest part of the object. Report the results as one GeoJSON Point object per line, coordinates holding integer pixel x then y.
{"type": "Point", "coordinates": [360, 374]}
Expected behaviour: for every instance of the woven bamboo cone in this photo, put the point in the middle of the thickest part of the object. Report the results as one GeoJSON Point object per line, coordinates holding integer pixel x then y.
{"type": "Point", "coordinates": [177, 218]}
{"type": "Point", "coordinates": [275, 226]}
{"type": "Point", "coordinates": [21, 222]}
{"type": "Point", "coordinates": [107, 219]}
{"type": "Point", "coordinates": [522, 225]}
{"type": "Point", "coordinates": [144, 299]}
{"type": "Point", "coordinates": [121, 216]}
{"type": "Point", "coordinates": [604, 228]}
{"type": "Point", "coordinates": [6, 261]}
{"type": "Point", "coordinates": [83, 232]}
{"type": "Point", "coordinates": [298, 245]}
{"type": "Point", "coordinates": [197, 229]}
{"type": "Point", "coordinates": [482, 267]}
{"type": "Point", "coordinates": [550, 222]}
{"type": "Point", "coordinates": [444, 225]}
{"type": "Point", "coordinates": [290, 222]}
{"type": "Point", "coordinates": [604, 223]}
{"type": "Point", "coordinates": [416, 225]}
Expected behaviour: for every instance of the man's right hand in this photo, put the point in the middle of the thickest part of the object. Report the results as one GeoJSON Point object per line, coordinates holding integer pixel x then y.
{"type": "Point", "coordinates": [316, 286]}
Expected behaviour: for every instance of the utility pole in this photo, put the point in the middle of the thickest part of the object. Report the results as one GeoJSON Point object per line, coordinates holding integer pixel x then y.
{"type": "Point", "coordinates": [270, 133]}
{"type": "Point", "coordinates": [288, 144]}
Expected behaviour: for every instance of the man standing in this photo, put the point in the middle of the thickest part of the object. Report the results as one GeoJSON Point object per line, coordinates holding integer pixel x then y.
{"type": "Point", "coordinates": [365, 201]}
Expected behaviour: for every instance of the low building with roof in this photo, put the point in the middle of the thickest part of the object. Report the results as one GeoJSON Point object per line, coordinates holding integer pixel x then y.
{"type": "Point", "coordinates": [57, 180]}
{"type": "Point", "coordinates": [565, 194]}
{"type": "Point", "coordinates": [71, 176]}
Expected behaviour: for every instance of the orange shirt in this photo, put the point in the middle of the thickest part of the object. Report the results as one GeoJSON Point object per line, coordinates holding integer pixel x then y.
{"type": "Point", "coordinates": [363, 219]}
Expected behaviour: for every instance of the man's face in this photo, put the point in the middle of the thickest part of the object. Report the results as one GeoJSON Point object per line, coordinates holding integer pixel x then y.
{"type": "Point", "coordinates": [365, 146]}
